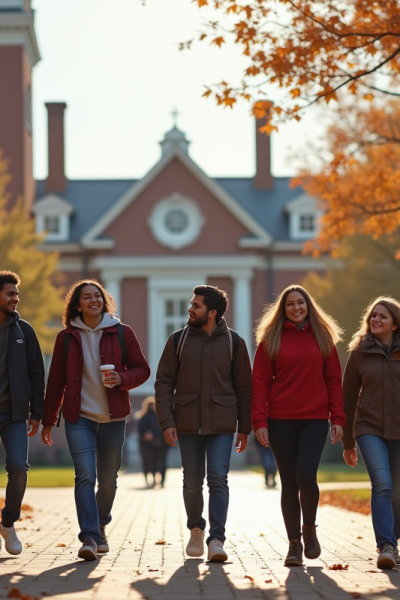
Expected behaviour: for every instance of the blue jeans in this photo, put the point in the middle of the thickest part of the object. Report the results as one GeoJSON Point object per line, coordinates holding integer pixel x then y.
{"type": "Point", "coordinates": [217, 448]}
{"type": "Point", "coordinates": [14, 435]}
{"type": "Point", "coordinates": [382, 459]}
{"type": "Point", "coordinates": [96, 449]}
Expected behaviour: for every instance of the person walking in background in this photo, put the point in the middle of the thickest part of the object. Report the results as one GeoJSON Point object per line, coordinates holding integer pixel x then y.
{"type": "Point", "coordinates": [268, 463]}
{"type": "Point", "coordinates": [371, 388]}
{"type": "Point", "coordinates": [153, 447]}
{"type": "Point", "coordinates": [297, 389]}
{"type": "Point", "coordinates": [21, 401]}
{"type": "Point", "coordinates": [203, 393]}
{"type": "Point", "coordinates": [95, 410]}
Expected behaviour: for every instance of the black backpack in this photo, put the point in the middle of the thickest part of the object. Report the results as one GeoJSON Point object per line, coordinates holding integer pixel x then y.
{"type": "Point", "coordinates": [232, 337]}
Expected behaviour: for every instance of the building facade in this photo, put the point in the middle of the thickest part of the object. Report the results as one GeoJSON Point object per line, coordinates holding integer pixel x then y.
{"type": "Point", "coordinates": [150, 241]}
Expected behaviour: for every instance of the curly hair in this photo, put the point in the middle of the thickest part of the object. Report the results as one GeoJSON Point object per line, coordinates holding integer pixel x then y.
{"type": "Point", "coordinates": [72, 300]}
{"type": "Point", "coordinates": [392, 305]}
{"type": "Point", "coordinates": [8, 277]}
{"type": "Point", "coordinates": [269, 329]}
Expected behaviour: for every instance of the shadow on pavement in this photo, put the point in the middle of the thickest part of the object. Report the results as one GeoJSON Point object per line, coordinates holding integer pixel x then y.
{"type": "Point", "coordinates": [66, 579]}
{"type": "Point", "coordinates": [214, 584]}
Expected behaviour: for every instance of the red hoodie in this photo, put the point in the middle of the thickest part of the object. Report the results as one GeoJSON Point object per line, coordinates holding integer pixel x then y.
{"type": "Point", "coordinates": [299, 383]}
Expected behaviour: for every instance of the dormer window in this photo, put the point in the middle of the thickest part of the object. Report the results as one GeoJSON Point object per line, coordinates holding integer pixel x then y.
{"type": "Point", "coordinates": [53, 218]}
{"type": "Point", "coordinates": [307, 223]}
{"type": "Point", "coordinates": [52, 225]}
{"type": "Point", "coordinates": [304, 215]}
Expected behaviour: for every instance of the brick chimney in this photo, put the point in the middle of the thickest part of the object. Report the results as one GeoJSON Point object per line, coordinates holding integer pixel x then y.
{"type": "Point", "coordinates": [263, 179]}
{"type": "Point", "coordinates": [56, 180]}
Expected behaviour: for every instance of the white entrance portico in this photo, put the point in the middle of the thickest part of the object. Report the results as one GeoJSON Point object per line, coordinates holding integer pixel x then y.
{"type": "Point", "coordinates": [170, 282]}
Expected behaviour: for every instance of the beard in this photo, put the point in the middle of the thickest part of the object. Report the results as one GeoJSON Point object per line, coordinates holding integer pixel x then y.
{"type": "Point", "coordinates": [199, 321]}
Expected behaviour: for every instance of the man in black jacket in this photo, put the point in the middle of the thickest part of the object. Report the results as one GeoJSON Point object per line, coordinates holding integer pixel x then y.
{"type": "Point", "coordinates": [21, 401]}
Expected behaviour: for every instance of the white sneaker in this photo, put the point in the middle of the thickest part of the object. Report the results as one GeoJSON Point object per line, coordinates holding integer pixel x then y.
{"type": "Point", "coordinates": [12, 543]}
{"type": "Point", "coordinates": [216, 552]}
{"type": "Point", "coordinates": [195, 547]}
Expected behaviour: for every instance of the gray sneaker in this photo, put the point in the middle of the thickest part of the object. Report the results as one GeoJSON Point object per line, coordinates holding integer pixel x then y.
{"type": "Point", "coordinates": [216, 552]}
{"type": "Point", "coordinates": [387, 557]}
{"type": "Point", "coordinates": [12, 543]}
{"type": "Point", "coordinates": [88, 550]}
{"type": "Point", "coordinates": [195, 547]}
{"type": "Point", "coordinates": [102, 546]}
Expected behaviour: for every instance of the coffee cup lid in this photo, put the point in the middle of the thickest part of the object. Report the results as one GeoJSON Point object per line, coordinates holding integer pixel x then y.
{"type": "Point", "coordinates": [107, 367]}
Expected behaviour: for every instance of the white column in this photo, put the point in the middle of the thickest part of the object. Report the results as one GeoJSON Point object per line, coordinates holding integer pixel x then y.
{"type": "Point", "coordinates": [113, 287]}
{"type": "Point", "coordinates": [243, 317]}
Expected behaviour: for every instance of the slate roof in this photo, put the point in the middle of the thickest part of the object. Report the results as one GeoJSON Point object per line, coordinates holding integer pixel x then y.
{"type": "Point", "coordinates": [92, 198]}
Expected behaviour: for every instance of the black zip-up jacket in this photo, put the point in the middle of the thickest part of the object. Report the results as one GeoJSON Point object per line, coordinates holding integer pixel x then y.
{"type": "Point", "coordinates": [26, 371]}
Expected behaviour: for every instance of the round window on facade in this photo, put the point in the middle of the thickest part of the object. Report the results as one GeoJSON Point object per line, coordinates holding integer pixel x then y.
{"type": "Point", "coordinates": [176, 220]}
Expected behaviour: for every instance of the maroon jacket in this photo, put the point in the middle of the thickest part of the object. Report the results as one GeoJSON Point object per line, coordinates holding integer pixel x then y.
{"type": "Point", "coordinates": [65, 377]}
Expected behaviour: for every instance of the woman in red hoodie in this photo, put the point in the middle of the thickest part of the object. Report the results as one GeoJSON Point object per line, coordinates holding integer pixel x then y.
{"type": "Point", "coordinates": [297, 390]}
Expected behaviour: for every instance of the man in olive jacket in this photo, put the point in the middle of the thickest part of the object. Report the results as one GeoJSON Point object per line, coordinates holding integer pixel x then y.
{"type": "Point", "coordinates": [21, 401]}
{"type": "Point", "coordinates": [203, 395]}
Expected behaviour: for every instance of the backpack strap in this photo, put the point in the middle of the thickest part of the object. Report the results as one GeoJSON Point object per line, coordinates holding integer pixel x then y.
{"type": "Point", "coordinates": [122, 342]}
{"type": "Point", "coordinates": [66, 342]}
{"type": "Point", "coordinates": [233, 344]}
{"type": "Point", "coordinates": [179, 341]}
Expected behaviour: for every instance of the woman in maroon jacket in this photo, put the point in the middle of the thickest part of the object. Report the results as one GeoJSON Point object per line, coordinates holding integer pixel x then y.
{"type": "Point", "coordinates": [296, 391]}
{"type": "Point", "coordinates": [94, 409]}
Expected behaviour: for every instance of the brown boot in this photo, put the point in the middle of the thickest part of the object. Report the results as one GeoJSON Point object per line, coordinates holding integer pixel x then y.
{"type": "Point", "coordinates": [294, 557]}
{"type": "Point", "coordinates": [312, 549]}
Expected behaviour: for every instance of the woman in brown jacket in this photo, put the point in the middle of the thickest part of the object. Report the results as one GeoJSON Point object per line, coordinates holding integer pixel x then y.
{"type": "Point", "coordinates": [371, 388]}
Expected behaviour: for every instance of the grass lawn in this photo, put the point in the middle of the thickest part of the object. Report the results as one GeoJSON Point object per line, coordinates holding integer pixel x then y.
{"type": "Point", "coordinates": [46, 477]}
{"type": "Point", "coordinates": [333, 472]}
{"type": "Point", "coordinates": [355, 500]}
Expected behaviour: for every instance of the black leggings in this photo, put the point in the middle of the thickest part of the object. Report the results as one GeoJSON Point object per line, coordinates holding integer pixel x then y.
{"type": "Point", "coordinates": [298, 446]}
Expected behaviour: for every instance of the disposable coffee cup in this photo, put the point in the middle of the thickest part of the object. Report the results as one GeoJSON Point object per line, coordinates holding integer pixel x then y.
{"type": "Point", "coordinates": [105, 372]}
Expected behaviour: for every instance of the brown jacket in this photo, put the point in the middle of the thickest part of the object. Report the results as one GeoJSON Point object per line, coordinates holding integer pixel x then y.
{"type": "Point", "coordinates": [204, 394]}
{"type": "Point", "coordinates": [371, 388]}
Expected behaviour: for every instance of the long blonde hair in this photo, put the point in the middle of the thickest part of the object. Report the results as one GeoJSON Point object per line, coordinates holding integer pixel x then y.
{"type": "Point", "coordinates": [269, 329]}
{"type": "Point", "coordinates": [388, 302]}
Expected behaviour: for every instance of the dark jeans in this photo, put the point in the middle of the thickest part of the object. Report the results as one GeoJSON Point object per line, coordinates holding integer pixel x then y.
{"type": "Point", "coordinates": [194, 451]}
{"type": "Point", "coordinates": [14, 435]}
{"type": "Point", "coordinates": [382, 459]}
{"type": "Point", "coordinates": [298, 446]}
{"type": "Point", "coordinates": [96, 449]}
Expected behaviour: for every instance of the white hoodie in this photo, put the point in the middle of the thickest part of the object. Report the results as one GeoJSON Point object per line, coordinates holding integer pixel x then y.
{"type": "Point", "coordinates": [94, 403]}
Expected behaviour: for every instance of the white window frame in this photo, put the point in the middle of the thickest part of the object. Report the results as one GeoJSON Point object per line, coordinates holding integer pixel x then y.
{"type": "Point", "coordinates": [295, 230]}
{"type": "Point", "coordinates": [171, 239]}
{"type": "Point", "coordinates": [63, 231]}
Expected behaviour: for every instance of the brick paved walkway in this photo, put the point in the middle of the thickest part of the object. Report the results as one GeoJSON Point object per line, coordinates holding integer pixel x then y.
{"type": "Point", "coordinates": [138, 568]}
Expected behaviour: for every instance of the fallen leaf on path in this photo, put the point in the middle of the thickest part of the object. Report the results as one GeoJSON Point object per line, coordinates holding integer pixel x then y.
{"type": "Point", "coordinates": [372, 571]}
{"type": "Point", "coordinates": [161, 543]}
{"type": "Point", "coordinates": [151, 570]}
{"type": "Point", "coordinates": [28, 545]}
{"type": "Point", "coordinates": [249, 577]}
{"type": "Point", "coordinates": [338, 567]}
{"type": "Point", "coordinates": [61, 546]}
{"type": "Point", "coordinates": [262, 535]}
{"type": "Point", "coordinates": [27, 507]}
{"type": "Point", "coordinates": [139, 572]}
{"type": "Point", "coordinates": [268, 581]}
{"type": "Point", "coordinates": [359, 537]}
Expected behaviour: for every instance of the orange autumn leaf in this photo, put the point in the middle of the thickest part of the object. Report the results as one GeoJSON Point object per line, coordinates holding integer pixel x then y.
{"type": "Point", "coordinates": [311, 49]}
